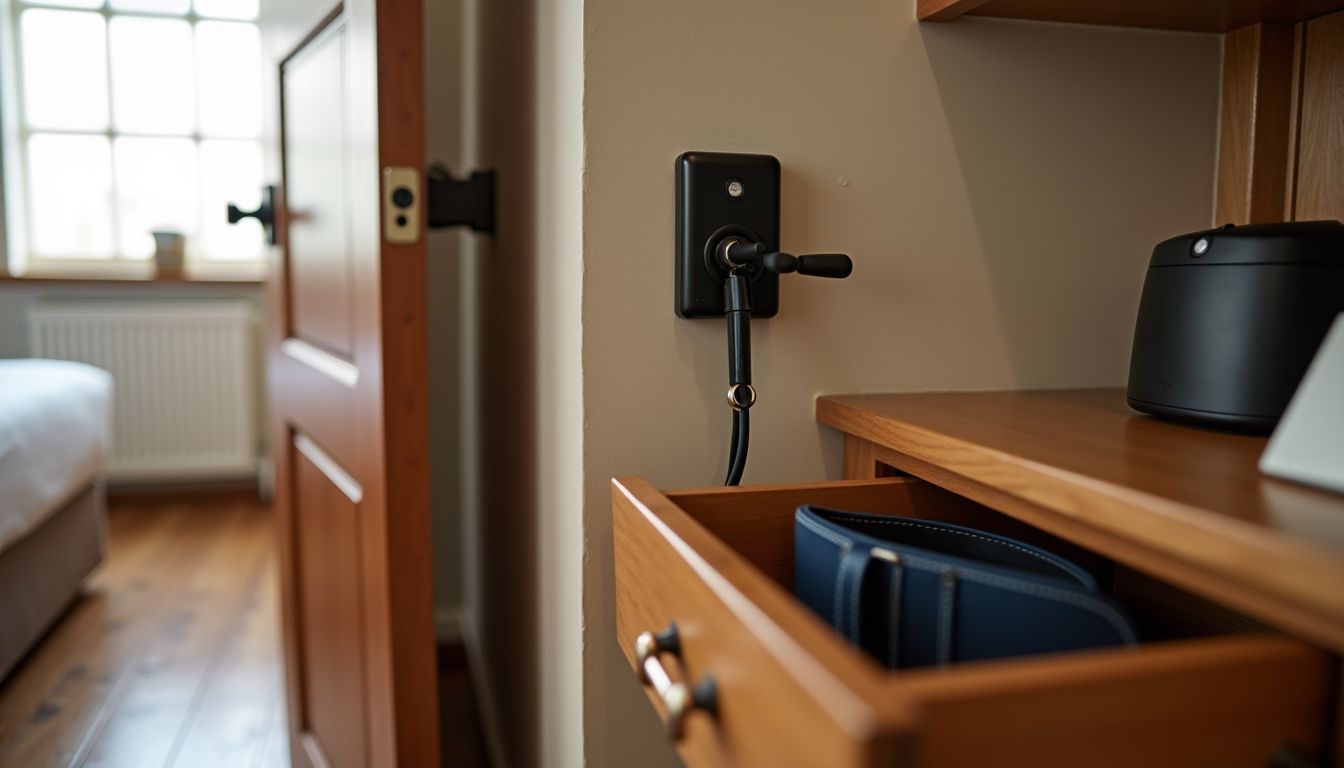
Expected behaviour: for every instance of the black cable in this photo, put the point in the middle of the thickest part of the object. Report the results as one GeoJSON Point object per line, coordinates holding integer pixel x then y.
{"type": "Point", "coordinates": [732, 450]}
{"type": "Point", "coordinates": [737, 306]}
{"type": "Point", "coordinates": [741, 437]}
{"type": "Point", "coordinates": [739, 258]}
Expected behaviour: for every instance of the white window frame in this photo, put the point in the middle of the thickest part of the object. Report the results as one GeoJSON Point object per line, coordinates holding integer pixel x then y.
{"type": "Point", "coordinates": [15, 256]}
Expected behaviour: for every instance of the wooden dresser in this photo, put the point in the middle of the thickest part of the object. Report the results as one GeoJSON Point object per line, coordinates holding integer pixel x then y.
{"type": "Point", "coordinates": [1236, 581]}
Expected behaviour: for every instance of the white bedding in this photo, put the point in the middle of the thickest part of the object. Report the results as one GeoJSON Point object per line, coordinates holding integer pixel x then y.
{"type": "Point", "coordinates": [55, 432]}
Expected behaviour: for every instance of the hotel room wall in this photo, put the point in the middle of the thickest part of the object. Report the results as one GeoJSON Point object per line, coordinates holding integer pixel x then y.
{"type": "Point", "coordinates": [1000, 186]}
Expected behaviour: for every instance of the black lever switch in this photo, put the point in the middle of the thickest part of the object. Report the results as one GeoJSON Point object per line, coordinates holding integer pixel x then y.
{"type": "Point", "coordinates": [836, 265]}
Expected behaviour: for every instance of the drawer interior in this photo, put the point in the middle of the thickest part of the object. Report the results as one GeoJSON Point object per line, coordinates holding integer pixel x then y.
{"type": "Point", "coordinates": [1212, 688]}
{"type": "Point", "coordinates": [757, 522]}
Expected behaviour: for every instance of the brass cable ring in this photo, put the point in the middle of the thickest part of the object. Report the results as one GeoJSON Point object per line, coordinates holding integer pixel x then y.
{"type": "Point", "coordinates": [738, 405]}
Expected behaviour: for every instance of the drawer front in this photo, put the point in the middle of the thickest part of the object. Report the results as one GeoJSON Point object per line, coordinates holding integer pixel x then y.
{"type": "Point", "coordinates": [1227, 702]}
{"type": "Point", "coordinates": [791, 692]}
{"type": "Point", "coordinates": [778, 705]}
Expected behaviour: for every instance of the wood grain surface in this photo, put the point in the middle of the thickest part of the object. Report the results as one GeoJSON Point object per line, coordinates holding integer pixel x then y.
{"type": "Point", "coordinates": [944, 10]}
{"type": "Point", "coordinates": [1182, 504]}
{"type": "Point", "coordinates": [350, 90]}
{"type": "Point", "coordinates": [170, 658]}
{"type": "Point", "coordinates": [1255, 139]}
{"type": "Point", "coordinates": [1320, 165]}
{"type": "Point", "coordinates": [792, 692]}
{"type": "Point", "coordinates": [1223, 701]}
{"type": "Point", "coordinates": [1190, 15]}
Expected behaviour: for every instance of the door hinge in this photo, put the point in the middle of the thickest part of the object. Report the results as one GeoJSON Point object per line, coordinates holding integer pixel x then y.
{"type": "Point", "coordinates": [466, 202]}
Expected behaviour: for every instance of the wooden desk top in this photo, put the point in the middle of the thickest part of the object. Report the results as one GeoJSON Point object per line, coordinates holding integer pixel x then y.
{"type": "Point", "coordinates": [1185, 504]}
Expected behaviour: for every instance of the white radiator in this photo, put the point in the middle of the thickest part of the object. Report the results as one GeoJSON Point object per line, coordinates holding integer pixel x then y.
{"type": "Point", "coordinates": [185, 403]}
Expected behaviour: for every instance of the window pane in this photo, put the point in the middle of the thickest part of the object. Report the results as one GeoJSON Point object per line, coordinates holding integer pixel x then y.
{"type": "Point", "coordinates": [152, 88]}
{"type": "Point", "coordinates": [67, 3]}
{"type": "Point", "coordinates": [70, 196]}
{"type": "Point", "coordinates": [228, 57]}
{"type": "Point", "coordinates": [228, 9]}
{"type": "Point", "coordinates": [230, 173]}
{"type": "Point", "coordinates": [150, 6]}
{"type": "Point", "coordinates": [156, 189]}
{"type": "Point", "coordinates": [64, 69]}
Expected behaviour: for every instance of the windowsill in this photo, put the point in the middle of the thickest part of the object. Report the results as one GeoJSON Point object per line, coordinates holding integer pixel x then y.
{"type": "Point", "coordinates": [140, 274]}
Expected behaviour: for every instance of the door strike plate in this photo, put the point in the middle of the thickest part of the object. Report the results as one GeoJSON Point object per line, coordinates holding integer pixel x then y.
{"type": "Point", "coordinates": [401, 205]}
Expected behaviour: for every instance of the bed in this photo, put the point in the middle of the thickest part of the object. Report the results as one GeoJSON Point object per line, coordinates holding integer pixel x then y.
{"type": "Point", "coordinates": [54, 437]}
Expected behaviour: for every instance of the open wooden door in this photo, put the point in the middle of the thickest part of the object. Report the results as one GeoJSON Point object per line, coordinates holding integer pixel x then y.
{"type": "Point", "coordinates": [348, 385]}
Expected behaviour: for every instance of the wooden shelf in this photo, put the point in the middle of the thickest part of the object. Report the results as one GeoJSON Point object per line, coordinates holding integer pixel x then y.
{"type": "Point", "coordinates": [1186, 505]}
{"type": "Point", "coordinates": [1188, 15]}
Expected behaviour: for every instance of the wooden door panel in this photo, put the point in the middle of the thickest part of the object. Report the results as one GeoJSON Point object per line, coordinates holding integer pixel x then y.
{"type": "Point", "coordinates": [317, 192]}
{"type": "Point", "coordinates": [326, 525]}
{"type": "Point", "coordinates": [348, 388]}
{"type": "Point", "coordinates": [314, 397]}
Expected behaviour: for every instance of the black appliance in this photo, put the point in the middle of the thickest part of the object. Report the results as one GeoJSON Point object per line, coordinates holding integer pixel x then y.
{"type": "Point", "coordinates": [1230, 319]}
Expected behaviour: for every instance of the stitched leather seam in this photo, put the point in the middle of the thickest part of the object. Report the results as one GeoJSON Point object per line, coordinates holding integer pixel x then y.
{"type": "Point", "coordinates": [1083, 601]}
{"type": "Point", "coordinates": [825, 533]}
{"type": "Point", "coordinates": [937, 529]}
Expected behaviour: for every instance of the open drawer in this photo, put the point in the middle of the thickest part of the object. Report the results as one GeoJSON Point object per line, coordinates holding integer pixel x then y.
{"type": "Point", "coordinates": [788, 691]}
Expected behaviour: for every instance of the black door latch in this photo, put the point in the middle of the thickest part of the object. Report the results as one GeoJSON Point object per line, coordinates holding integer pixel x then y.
{"type": "Point", "coordinates": [264, 213]}
{"type": "Point", "coordinates": [466, 202]}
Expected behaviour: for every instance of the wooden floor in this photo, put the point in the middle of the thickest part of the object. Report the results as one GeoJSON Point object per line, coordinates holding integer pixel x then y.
{"type": "Point", "coordinates": [171, 658]}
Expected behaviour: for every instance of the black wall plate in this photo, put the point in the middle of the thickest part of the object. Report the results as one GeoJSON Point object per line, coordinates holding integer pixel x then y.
{"type": "Point", "coordinates": [721, 194]}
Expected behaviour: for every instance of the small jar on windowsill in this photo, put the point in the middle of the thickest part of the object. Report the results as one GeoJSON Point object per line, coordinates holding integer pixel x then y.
{"type": "Point", "coordinates": [170, 253]}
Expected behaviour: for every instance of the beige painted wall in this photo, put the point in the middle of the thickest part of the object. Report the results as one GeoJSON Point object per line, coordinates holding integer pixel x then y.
{"type": "Point", "coordinates": [999, 185]}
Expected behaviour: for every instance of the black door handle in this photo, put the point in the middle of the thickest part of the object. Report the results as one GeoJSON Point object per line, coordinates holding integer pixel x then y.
{"type": "Point", "coordinates": [265, 213]}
